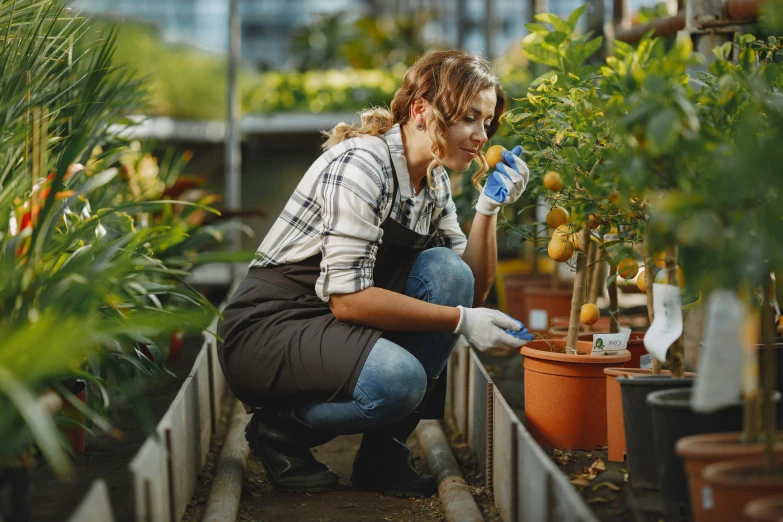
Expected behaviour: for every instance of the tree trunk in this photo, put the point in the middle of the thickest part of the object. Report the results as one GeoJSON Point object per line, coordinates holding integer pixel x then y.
{"type": "Point", "coordinates": [579, 286]}
{"type": "Point", "coordinates": [677, 350]}
{"type": "Point", "coordinates": [769, 377]}
{"type": "Point", "coordinates": [614, 307]}
{"type": "Point", "coordinates": [598, 268]}
{"type": "Point", "coordinates": [649, 279]}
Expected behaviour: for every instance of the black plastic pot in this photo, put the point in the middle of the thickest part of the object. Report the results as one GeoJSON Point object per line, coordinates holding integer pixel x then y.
{"type": "Point", "coordinates": [638, 425]}
{"type": "Point", "coordinates": [674, 419]}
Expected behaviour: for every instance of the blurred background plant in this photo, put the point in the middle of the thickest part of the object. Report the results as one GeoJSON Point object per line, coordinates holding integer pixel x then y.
{"type": "Point", "coordinates": [92, 259]}
{"type": "Point", "coordinates": [336, 40]}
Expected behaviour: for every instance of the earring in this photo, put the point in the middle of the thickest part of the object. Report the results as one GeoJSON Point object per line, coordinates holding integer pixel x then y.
{"type": "Point", "coordinates": [420, 126]}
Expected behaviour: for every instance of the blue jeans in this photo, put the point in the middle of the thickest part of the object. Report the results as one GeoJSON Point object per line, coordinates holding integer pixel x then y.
{"type": "Point", "coordinates": [394, 376]}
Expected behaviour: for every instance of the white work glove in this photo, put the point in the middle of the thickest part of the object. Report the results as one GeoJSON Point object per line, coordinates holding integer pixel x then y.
{"type": "Point", "coordinates": [506, 183]}
{"type": "Point", "coordinates": [487, 329]}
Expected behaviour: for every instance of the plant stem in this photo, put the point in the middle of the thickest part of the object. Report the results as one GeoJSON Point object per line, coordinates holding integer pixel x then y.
{"type": "Point", "coordinates": [579, 285]}
{"type": "Point", "coordinates": [677, 349]}
{"type": "Point", "coordinates": [614, 307]}
{"type": "Point", "coordinates": [769, 377]}
{"type": "Point", "coordinates": [598, 268]}
{"type": "Point", "coordinates": [648, 280]}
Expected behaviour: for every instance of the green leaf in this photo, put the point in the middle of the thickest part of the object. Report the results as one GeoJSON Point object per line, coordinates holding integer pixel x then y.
{"type": "Point", "coordinates": [537, 28]}
{"type": "Point", "coordinates": [575, 16]}
{"type": "Point", "coordinates": [611, 279]}
{"type": "Point", "coordinates": [556, 21]}
{"type": "Point", "coordinates": [662, 130]}
{"type": "Point", "coordinates": [38, 421]}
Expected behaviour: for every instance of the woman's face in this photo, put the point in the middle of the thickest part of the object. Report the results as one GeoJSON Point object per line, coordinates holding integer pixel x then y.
{"type": "Point", "coordinates": [468, 136]}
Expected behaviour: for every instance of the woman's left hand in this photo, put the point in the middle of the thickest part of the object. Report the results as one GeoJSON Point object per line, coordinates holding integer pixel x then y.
{"type": "Point", "coordinates": [506, 183]}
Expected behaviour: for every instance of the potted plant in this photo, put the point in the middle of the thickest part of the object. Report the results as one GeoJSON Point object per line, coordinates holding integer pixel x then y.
{"type": "Point", "coordinates": [564, 132]}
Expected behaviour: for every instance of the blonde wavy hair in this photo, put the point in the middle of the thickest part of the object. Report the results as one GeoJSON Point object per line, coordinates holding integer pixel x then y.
{"type": "Point", "coordinates": [449, 81]}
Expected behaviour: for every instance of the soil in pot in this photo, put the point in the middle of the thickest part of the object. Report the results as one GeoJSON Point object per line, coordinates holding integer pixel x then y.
{"type": "Point", "coordinates": [674, 419]}
{"type": "Point", "coordinates": [615, 420]}
{"type": "Point", "coordinates": [565, 394]}
{"type": "Point", "coordinates": [699, 451]}
{"type": "Point", "coordinates": [734, 484]}
{"type": "Point", "coordinates": [638, 424]}
{"type": "Point", "coordinates": [768, 509]}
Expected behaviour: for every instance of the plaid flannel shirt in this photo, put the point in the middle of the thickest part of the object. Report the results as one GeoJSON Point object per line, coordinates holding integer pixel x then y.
{"type": "Point", "coordinates": [338, 208]}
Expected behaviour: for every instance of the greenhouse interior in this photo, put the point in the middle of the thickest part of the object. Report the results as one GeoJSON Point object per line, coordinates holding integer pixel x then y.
{"type": "Point", "coordinates": [547, 233]}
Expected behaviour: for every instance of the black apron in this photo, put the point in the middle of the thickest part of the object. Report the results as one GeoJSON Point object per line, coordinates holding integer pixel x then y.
{"type": "Point", "coordinates": [282, 345]}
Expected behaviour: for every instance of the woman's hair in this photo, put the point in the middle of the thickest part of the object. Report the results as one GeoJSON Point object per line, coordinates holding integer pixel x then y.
{"type": "Point", "coordinates": [449, 81]}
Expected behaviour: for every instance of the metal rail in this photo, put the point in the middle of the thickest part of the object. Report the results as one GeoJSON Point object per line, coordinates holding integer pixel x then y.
{"type": "Point", "coordinates": [735, 12]}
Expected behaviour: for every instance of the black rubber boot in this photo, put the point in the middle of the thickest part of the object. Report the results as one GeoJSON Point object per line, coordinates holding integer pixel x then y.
{"type": "Point", "coordinates": [384, 462]}
{"type": "Point", "coordinates": [282, 444]}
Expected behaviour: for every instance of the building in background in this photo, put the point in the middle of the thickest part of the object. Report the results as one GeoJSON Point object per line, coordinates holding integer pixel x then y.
{"type": "Point", "coordinates": [267, 25]}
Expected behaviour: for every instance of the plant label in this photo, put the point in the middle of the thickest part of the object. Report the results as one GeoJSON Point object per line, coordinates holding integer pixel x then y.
{"type": "Point", "coordinates": [604, 344]}
{"type": "Point", "coordinates": [538, 320]}
{"type": "Point", "coordinates": [667, 325]}
{"type": "Point", "coordinates": [645, 361]}
{"type": "Point", "coordinates": [719, 375]}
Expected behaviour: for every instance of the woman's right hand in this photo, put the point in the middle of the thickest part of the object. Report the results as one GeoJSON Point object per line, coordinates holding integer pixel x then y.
{"type": "Point", "coordinates": [485, 329]}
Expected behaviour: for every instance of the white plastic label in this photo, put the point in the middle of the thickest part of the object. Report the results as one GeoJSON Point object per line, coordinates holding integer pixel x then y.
{"type": "Point", "coordinates": [645, 361]}
{"type": "Point", "coordinates": [719, 374]}
{"type": "Point", "coordinates": [667, 325]}
{"type": "Point", "coordinates": [538, 320]}
{"type": "Point", "coordinates": [611, 343]}
{"type": "Point", "coordinates": [706, 498]}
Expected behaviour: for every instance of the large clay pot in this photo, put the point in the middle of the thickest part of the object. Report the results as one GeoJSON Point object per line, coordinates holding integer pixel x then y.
{"type": "Point", "coordinates": [674, 419]}
{"type": "Point", "coordinates": [767, 509]}
{"type": "Point", "coordinates": [76, 435]}
{"type": "Point", "coordinates": [638, 424]}
{"type": "Point", "coordinates": [565, 394]}
{"type": "Point", "coordinates": [699, 451]}
{"type": "Point", "coordinates": [734, 484]}
{"type": "Point", "coordinates": [615, 420]}
{"type": "Point", "coordinates": [542, 303]}
{"type": "Point", "coordinates": [512, 296]}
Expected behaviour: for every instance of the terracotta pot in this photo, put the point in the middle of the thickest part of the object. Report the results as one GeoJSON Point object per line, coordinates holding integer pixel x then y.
{"type": "Point", "coordinates": [699, 451]}
{"type": "Point", "coordinates": [542, 303]}
{"type": "Point", "coordinates": [734, 484]}
{"type": "Point", "coordinates": [76, 435]}
{"type": "Point", "coordinates": [768, 509]}
{"type": "Point", "coordinates": [565, 394]}
{"type": "Point", "coordinates": [175, 345]}
{"type": "Point", "coordinates": [514, 288]}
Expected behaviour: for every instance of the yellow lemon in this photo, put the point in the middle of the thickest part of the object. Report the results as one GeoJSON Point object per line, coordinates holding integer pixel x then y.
{"type": "Point", "coordinates": [494, 155]}
{"type": "Point", "coordinates": [589, 314]}
{"type": "Point", "coordinates": [628, 268]}
{"type": "Point", "coordinates": [553, 181]}
{"type": "Point", "coordinates": [556, 217]}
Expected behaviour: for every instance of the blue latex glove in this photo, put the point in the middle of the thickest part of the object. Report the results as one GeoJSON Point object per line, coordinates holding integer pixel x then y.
{"type": "Point", "coordinates": [505, 184]}
{"type": "Point", "coordinates": [523, 334]}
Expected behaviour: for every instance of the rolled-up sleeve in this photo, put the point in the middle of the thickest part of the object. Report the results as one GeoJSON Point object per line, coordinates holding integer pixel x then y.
{"type": "Point", "coordinates": [353, 195]}
{"type": "Point", "coordinates": [449, 233]}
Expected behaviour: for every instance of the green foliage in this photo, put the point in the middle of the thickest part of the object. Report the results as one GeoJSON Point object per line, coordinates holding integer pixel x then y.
{"type": "Point", "coordinates": [91, 259]}
{"type": "Point", "coordinates": [333, 41]}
